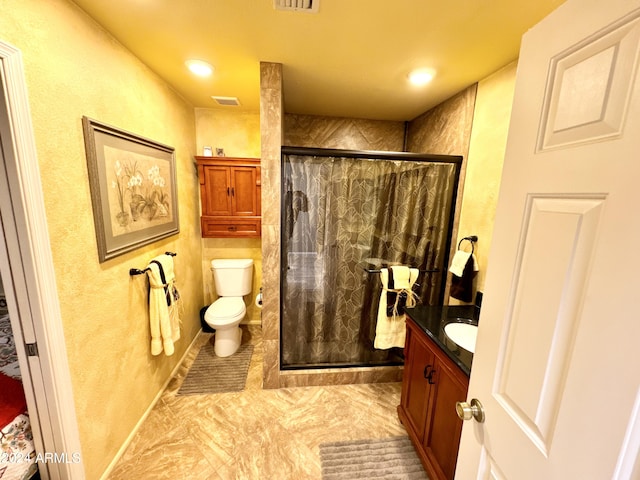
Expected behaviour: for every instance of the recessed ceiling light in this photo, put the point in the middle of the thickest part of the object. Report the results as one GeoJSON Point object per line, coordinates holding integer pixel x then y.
{"type": "Point", "coordinates": [421, 76]}
{"type": "Point", "coordinates": [200, 68]}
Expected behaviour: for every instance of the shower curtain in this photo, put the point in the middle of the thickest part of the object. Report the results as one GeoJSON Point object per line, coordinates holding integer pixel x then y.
{"type": "Point", "coordinates": [344, 217]}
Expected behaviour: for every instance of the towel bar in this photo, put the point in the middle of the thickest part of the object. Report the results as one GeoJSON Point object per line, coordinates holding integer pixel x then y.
{"type": "Point", "coordinates": [368, 270]}
{"type": "Point", "coordinates": [137, 271]}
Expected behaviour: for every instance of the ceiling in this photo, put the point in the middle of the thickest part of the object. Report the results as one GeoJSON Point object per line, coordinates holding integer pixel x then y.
{"type": "Point", "coordinates": [350, 59]}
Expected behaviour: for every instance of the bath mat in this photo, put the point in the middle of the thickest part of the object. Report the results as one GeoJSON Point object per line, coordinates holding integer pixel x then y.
{"type": "Point", "coordinates": [389, 458]}
{"type": "Point", "coordinates": [212, 374]}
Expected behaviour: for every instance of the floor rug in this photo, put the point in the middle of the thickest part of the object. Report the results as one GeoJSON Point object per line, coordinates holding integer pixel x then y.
{"type": "Point", "coordinates": [389, 458]}
{"type": "Point", "coordinates": [212, 374]}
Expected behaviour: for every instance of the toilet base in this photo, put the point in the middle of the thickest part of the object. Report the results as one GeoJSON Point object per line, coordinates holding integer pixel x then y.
{"type": "Point", "coordinates": [227, 341]}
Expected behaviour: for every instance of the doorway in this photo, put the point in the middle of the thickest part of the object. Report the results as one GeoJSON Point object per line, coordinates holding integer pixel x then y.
{"type": "Point", "coordinates": [29, 283]}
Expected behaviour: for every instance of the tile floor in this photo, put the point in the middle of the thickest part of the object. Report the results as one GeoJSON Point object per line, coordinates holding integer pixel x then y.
{"type": "Point", "coordinates": [256, 433]}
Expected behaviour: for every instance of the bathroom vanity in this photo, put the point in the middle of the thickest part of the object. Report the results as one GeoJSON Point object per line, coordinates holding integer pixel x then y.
{"type": "Point", "coordinates": [230, 196]}
{"type": "Point", "coordinates": [436, 376]}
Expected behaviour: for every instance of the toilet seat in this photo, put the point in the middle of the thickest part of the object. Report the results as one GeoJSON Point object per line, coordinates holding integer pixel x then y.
{"type": "Point", "coordinates": [225, 310]}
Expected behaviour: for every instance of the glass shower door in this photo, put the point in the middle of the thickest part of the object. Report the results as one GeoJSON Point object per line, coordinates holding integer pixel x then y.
{"type": "Point", "coordinates": [341, 215]}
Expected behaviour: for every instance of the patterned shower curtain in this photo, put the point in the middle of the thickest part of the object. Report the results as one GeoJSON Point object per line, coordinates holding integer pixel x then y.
{"type": "Point", "coordinates": [343, 216]}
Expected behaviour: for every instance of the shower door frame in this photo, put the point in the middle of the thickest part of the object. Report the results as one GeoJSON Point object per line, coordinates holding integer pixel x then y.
{"type": "Point", "coordinates": [455, 160]}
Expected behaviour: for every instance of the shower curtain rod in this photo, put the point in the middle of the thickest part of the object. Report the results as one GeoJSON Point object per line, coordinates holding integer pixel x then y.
{"type": "Point", "coordinates": [378, 154]}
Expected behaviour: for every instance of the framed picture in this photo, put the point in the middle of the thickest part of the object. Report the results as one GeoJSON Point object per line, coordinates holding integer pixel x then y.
{"type": "Point", "coordinates": [133, 189]}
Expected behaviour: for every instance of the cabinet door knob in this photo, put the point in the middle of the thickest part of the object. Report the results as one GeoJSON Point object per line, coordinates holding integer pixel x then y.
{"type": "Point", "coordinates": [233, 192]}
{"type": "Point", "coordinates": [425, 372]}
{"type": "Point", "coordinates": [468, 411]}
{"type": "Point", "coordinates": [233, 229]}
{"type": "Point", "coordinates": [227, 191]}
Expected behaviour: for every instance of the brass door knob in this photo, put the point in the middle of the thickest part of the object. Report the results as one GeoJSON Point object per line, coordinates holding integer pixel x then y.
{"type": "Point", "coordinates": [468, 411]}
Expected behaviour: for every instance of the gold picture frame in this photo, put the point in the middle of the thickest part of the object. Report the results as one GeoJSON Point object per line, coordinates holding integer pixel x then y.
{"type": "Point", "coordinates": [133, 189]}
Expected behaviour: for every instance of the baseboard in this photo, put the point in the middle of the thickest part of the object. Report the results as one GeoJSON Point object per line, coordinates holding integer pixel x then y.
{"type": "Point", "coordinates": [126, 443]}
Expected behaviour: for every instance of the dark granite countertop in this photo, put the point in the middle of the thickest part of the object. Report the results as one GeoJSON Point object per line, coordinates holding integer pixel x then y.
{"type": "Point", "coordinates": [432, 320]}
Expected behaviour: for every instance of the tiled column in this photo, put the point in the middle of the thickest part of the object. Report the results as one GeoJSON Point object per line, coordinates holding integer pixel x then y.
{"type": "Point", "coordinates": [271, 119]}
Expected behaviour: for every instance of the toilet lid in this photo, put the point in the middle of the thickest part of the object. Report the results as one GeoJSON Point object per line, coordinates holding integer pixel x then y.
{"type": "Point", "coordinates": [226, 308]}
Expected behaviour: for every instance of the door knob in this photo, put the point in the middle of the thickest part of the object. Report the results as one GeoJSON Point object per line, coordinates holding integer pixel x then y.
{"type": "Point", "coordinates": [468, 411]}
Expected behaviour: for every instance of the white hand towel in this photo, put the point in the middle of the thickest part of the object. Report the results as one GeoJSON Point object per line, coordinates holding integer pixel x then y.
{"type": "Point", "coordinates": [401, 277]}
{"type": "Point", "coordinates": [459, 261]}
{"type": "Point", "coordinates": [164, 321]}
{"type": "Point", "coordinates": [391, 331]}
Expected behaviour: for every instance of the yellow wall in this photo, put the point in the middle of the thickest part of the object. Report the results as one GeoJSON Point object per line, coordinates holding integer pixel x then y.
{"type": "Point", "coordinates": [73, 68]}
{"type": "Point", "coordinates": [238, 133]}
{"type": "Point", "coordinates": [484, 166]}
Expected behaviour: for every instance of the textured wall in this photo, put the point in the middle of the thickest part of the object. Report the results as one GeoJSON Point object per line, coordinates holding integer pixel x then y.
{"type": "Point", "coordinates": [486, 155]}
{"type": "Point", "coordinates": [342, 133]}
{"type": "Point", "coordinates": [238, 133]}
{"type": "Point", "coordinates": [446, 130]}
{"type": "Point", "coordinates": [73, 68]}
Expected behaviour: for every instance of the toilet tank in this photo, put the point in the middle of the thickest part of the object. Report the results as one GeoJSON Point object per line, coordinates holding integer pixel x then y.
{"type": "Point", "coordinates": [232, 277]}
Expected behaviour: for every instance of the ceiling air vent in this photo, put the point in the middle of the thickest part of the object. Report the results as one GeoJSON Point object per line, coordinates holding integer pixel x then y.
{"type": "Point", "coordinates": [227, 101]}
{"type": "Point", "coordinates": [309, 6]}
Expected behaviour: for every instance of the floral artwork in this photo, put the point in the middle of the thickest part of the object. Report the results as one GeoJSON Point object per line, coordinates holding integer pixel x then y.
{"type": "Point", "coordinates": [133, 189]}
{"type": "Point", "coordinates": [139, 193]}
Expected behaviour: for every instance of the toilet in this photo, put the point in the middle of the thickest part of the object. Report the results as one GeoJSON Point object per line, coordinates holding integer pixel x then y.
{"type": "Point", "coordinates": [233, 280]}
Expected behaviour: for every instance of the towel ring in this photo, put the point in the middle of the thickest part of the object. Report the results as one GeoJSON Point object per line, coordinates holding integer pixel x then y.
{"type": "Point", "coordinates": [472, 240]}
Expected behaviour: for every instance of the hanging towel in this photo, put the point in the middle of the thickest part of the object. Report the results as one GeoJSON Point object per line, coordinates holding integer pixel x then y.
{"type": "Point", "coordinates": [397, 284]}
{"type": "Point", "coordinates": [163, 305]}
{"type": "Point", "coordinates": [464, 268]}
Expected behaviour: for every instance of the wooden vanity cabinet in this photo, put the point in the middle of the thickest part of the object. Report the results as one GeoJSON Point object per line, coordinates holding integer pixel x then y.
{"type": "Point", "coordinates": [431, 386]}
{"type": "Point", "coordinates": [230, 196]}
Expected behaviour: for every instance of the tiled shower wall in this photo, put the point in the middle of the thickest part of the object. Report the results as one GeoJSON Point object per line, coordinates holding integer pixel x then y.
{"type": "Point", "coordinates": [342, 133]}
{"type": "Point", "coordinates": [453, 122]}
{"type": "Point", "coordinates": [446, 128]}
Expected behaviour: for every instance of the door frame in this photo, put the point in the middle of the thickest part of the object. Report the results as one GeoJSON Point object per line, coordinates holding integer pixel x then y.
{"type": "Point", "coordinates": [46, 377]}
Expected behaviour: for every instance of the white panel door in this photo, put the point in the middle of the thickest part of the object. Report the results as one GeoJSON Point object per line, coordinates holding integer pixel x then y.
{"type": "Point", "coordinates": [557, 363]}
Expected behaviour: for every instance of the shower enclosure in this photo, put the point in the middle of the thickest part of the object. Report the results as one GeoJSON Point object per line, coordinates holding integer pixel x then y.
{"type": "Point", "coordinates": [346, 214]}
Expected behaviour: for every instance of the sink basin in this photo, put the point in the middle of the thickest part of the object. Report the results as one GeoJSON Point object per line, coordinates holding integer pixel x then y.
{"type": "Point", "coordinates": [462, 334]}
